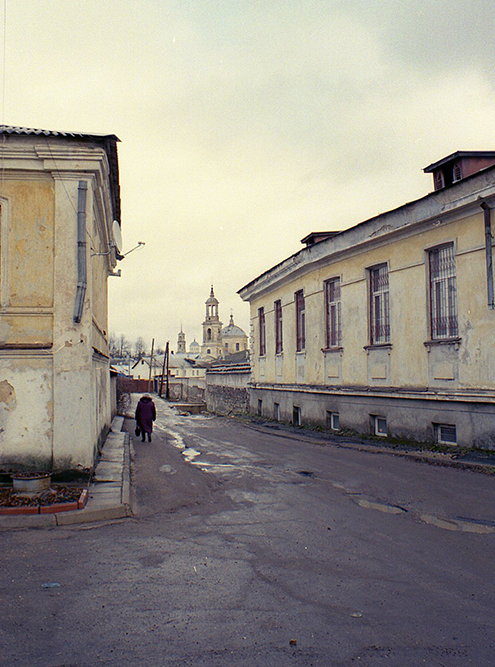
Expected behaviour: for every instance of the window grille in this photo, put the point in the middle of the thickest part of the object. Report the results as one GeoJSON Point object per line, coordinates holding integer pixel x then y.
{"type": "Point", "coordinates": [443, 293]}
{"type": "Point", "coordinates": [279, 346]}
{"type": "Point", "coordinates": [445, 434]}
{"type": "Point", "coordinates": [439, 180]}
{"type": "Point", "coordinates": [261, 320]}
{"type": "Point", "coordinates": [379, 305]}
{"type": "Point", "coordinates": [333, 310]}
{"type": "Point", "coordinates": [300, 321]}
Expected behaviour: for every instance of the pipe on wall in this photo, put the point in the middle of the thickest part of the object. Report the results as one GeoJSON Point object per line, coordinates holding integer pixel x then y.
{"type": "Point", "coordinates": [489, 257]}
{"type": "Point", "coordinates": [81, 251]}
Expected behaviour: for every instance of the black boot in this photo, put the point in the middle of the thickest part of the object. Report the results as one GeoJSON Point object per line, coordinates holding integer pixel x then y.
{"type": "Point", "coordinates": [149, 437]}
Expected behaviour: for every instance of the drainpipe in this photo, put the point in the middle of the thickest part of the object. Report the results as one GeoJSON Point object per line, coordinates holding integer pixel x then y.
{"type": "Point", "coordinates": [81, 251]}
{"type": "Point", "coordinates": [488, 252]}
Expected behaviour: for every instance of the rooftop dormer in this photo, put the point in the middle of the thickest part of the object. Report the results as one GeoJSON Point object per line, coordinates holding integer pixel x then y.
{"type": "Point", "coordinates": [459, 165]}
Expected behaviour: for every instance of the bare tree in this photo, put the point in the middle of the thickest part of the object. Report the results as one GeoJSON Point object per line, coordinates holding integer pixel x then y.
{"type": "Point", "coordinates": [113, 346]}
{"type": "Point", "coordinates": [124, 346]}
{"type": "Point", "coordinates": [139, 348]}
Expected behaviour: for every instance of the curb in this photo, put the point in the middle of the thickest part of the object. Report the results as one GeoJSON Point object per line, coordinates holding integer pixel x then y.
{"type": "Point", "coordinates": [431, 458]}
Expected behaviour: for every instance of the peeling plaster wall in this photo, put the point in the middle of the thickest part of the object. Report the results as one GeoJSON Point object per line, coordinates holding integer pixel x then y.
{"type": "Point", "coordinates": [55, 397]}
{"type": "Point", "coordinates": [26, 412]}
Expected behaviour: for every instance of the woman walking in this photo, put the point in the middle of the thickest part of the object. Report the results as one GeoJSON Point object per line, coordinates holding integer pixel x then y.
{"type": "Point", "coordinates": [145, 416]}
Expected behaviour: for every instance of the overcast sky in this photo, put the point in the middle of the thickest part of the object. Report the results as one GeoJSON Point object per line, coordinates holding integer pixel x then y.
{"type": "Point", "coordinates": [245, 125]}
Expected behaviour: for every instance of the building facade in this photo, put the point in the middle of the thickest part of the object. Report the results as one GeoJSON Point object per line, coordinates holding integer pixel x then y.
{"type": "Point", "coordinates": [386, 328]}
{"type": "Point", "coordinates": [60, 205]}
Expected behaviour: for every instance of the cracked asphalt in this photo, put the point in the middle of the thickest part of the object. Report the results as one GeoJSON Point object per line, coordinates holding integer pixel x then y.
{"type": "Point", "coordinates": [252, 546]}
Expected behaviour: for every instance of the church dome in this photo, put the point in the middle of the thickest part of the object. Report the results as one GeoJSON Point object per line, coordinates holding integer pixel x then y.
{"type": "Point", "coordinates": [232, 330]}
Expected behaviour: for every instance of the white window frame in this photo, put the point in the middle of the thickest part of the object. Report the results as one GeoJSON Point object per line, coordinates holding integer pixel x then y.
{"type": "Point", "coordinates": [379, 304]}
{"type": "Point", "coordinates": [333, 322]}
{"type": "Point", "coordinates": [378, 423]}
{"type": "Point", "coordinates": [441, 430]}
{"type": "Point", "coordinates": [442, 282]}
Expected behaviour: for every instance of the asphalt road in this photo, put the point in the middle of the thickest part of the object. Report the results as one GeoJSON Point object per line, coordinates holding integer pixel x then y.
{"type": "Point", "coordinates": [258, 547]}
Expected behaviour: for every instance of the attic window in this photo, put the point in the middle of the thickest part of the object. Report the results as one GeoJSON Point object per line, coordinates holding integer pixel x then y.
{"type": "Point", "coordinates": [439, 180]}
{"type": "Point", "coordinates": [456, 172]}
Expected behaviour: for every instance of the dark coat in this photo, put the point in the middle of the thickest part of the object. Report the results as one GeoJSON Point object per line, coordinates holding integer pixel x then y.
{"type": "Point", "coordinates": [145, 414]}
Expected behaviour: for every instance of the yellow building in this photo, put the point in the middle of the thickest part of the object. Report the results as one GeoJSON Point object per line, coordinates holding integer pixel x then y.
{"type": "Point", "coordinates": [387, 327]}
{"type": "Point", "coordinates": [59, 231]}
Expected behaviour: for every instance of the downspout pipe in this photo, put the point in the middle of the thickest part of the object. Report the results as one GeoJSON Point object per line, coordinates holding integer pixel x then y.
{"type": "Point", "coordinates": [489, 256]}
{"type": "Point", "coordinates": [81, 251]}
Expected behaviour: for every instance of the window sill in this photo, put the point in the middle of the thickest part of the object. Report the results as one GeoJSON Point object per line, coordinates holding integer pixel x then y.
{"type": "Point", "coordinates": [279, 354]}
{"type": "Point", "coordinates": [301, 353]}
{"type": "Point", "coordinates": [443, 341]}
{"type": "Point", "coordinates": [332, 349]}
{"type": "Point", "coordinates": [378, 346]}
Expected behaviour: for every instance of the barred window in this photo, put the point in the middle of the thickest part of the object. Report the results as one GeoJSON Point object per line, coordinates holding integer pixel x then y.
{"type": "Point", "coordinates": [262, 331]}
{"type": "Point", "coordinates": [443, 293]}
{"type": "Point", "coordinates": [332, 308]}
{"type": "Point", "coordinates": [379, 305]}
{"type": "Point", "coordinates": [300, 321]}
{"type": "Point", "coordinates": [279, 345]}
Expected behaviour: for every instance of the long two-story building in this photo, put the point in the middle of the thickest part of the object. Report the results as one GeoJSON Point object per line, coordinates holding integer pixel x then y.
{"type": "Point", "coordinates": [387, 328]}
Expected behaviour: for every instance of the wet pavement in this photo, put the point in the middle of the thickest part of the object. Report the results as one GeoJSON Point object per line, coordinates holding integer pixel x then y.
{"type": "Point", "coordinates": [255, 547]}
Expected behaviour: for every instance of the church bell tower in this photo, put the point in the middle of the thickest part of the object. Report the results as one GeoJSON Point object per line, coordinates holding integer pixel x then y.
{"type": "Point", "coordinates": [181, 342]}
{"type": "Point", "coordinates": [212, 329]}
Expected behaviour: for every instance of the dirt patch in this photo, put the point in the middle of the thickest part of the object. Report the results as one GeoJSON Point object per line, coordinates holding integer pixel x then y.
{"type": "Point", "coordinates": [58, 493]}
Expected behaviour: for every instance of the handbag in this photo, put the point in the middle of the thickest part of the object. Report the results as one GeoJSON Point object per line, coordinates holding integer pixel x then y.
{"type": "Point", "coordinates": [138, 430]}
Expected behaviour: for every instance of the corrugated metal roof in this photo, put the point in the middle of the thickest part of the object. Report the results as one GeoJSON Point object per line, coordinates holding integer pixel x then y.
{"type": "Point", "coordinates": [15, 129]}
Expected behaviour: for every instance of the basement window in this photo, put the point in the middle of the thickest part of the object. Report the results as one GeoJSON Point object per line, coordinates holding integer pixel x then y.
{"type": "Point", "coordinates": [260, 407]}
{"type": "Point", "coordinates": [380, 426]}
{"type": "Point", "coordinates": [333, 421]}
{"type": "Point", "coordinates": [276, 412]}
{"type": "Point", "coordinates": [296, 415]}
{"type": "Point", "coordinates": [445, 434]}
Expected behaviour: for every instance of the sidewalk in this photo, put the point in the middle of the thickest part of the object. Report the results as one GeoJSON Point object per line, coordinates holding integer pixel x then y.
{"type": "Point", "coordinates": [110, 492]}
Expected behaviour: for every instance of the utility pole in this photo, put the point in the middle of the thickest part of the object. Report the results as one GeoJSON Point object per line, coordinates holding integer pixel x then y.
{"type": "Point", "coordinates": [151, 364]}
{"type": "Point", "coordinates": [167, 390]}
{"type": "Point", "coordinates": [163, 370]}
